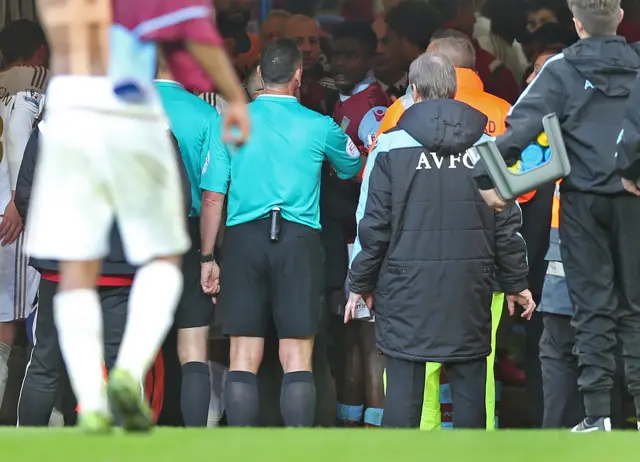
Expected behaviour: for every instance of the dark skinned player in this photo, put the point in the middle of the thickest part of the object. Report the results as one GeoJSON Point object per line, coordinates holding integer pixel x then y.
{"type": "Point", "coordinates": [359, 112]}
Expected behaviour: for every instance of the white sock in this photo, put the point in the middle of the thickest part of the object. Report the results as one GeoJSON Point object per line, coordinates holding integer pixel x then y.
{"type": "Point", "coordinates": [154, 297]}
{"type": "Point", "coordinates": [217, 377]}
{"type": "Point", "coordinates": [78, 318]}
{"type": "Point", "coordinates": [5, 352]}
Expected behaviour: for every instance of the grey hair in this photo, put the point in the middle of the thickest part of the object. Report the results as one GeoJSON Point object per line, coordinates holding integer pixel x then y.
{"type": "Point", "coordinates": [458, 48]}
{"type": "Point", "coordinates": [433, 76]}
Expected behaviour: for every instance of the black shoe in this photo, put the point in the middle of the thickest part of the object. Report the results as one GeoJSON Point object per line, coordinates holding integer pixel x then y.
{"type": "Point", "coordinates": [603, 424]}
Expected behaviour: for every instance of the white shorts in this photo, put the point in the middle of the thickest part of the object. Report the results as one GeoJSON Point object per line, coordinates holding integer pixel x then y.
{"type": "Point", "coordinates": [102, 160]}
{"type": "Point", "coordinates": [18, 282]}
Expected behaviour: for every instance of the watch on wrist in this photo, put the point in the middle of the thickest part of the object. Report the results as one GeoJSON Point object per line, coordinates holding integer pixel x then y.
{"type": "Point", "coordinates": [207, 258]}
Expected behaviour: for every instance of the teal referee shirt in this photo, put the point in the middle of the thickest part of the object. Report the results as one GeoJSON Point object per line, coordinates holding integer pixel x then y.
{"type": "Point", "coordinates": [280, 164]}
{"type": "Point", "coordinates": [197, 127]}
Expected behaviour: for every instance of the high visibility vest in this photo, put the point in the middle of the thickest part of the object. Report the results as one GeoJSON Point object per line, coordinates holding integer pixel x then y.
{"type": "Point", "coordinates": [555, 211]}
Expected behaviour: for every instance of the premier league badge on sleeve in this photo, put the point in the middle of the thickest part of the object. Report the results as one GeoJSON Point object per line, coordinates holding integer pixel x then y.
{"type": "Point", "coordinates": [352, 149]}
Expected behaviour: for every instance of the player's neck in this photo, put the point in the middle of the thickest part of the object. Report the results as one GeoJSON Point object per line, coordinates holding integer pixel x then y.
{"type": "Point", "coordinates": [278, 91]}
{"type": "Point", "coordinates": [21, 62]}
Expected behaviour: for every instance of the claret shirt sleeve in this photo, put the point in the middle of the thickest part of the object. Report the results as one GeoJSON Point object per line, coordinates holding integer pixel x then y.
{"type": "Point", "coordinates": [168, 20]}
{"type": "Point", "coordinates": [172, 23]}
{"type": "Point", "coordinates": [342, 153]}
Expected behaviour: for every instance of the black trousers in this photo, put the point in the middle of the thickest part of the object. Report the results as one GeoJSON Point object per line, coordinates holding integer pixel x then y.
{"type": "Point", "coordinates": [405, 393]}
{"type": "Point", "coordinates": [46, 369]}
{"type": "Point", "coordinates": [536, 221]}
{"type": "Point", "coordinates": [562, 400]}
{"type": "Point", "coordinates": [563, 406]}
{"type": "Point", "coordinates": [601, 255]}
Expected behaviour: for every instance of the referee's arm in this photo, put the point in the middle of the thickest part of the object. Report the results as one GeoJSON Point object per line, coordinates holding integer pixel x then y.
{"type": "Point", "coordinates": [342, 153]}
{"type": "Point", "coordinates": [214, 183]}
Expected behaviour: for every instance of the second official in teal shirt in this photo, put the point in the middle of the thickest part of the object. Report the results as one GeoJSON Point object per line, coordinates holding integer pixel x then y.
{"type": "Point", "coordinates": [280, 164]}
{"type": "Point", "coordinates": [197, 127]}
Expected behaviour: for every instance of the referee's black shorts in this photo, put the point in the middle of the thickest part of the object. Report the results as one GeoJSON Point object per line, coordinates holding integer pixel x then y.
{"type": "Point", "coordinates": [195, 308]}
{"type": "Point", "coordinates": [261, 279]}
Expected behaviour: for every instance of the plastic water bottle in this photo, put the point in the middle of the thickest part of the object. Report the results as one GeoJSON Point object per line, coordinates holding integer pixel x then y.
{"type": "Point", "coordinates": [532, 157]}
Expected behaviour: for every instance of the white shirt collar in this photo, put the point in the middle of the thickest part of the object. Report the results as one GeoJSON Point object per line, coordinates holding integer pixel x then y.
{"type": "Point", "coordinates": [168, 81]}
{"type": "Point", "coordinates": [362, 86]}
{"type": "Point", "coordinates": [276, 96]}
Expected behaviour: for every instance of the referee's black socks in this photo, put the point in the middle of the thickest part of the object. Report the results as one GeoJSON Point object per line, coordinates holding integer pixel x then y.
{"type": "Point", "coordinates": [195, 394]}
{"type": "Point", "coordinates": [298, 399]}
{"type": "Point", "coordinates": [241, 399]}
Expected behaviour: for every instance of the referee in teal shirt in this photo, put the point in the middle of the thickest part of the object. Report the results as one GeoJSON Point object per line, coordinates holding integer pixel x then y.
{"type": "Point", "coordinates": [273, 256]}
{"type": "Point", "coordinates": [197, 127]}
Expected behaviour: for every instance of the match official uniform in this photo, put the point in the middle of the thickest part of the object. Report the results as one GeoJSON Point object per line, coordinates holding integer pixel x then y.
{"type": "Point", "coordinates": [278, 168]}
{"type": "Point", "coordinates": [196, 126]}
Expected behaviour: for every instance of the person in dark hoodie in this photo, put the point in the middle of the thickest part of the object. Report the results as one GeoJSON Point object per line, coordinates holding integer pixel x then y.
{"type": "Point", "coordinates": [587, 86]}
{"type": "Point", "coordinates": [43, 373]}
{"type": "Point", "coordinates": [431, 251]}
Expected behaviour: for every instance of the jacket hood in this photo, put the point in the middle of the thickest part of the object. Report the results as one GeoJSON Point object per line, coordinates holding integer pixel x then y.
{"type": "Point", "coordinates": [607, 63]}
{"type": "Point", "coordinates": [444, 126]}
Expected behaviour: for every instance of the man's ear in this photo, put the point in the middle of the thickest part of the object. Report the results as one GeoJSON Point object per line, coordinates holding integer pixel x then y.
{"type": "Point", "coordinates": [298, 76]}
{"type": "Point", "coordinates": [414, 92]}
{"type": "Point", "coordinates": [578, 25]}
{"type": "Point", "coordinates": [621, 15]}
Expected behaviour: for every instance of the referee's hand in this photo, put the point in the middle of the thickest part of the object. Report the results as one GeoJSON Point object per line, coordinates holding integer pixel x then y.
{"type": "Point", "coordinates": [210, 278]}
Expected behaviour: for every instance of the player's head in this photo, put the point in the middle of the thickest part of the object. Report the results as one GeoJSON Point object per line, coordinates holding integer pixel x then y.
{"type": "Point", "coordinates": [456, 46]}
{"type": "Point", "coordinates": [432, 76]}
{"type": "Point", "coordinates": [594, 18]}
{"type": "Point", "coordinates": [281, 67]}
{"type": "Point", "coordinates": [232, 15]}
{"type": "Point", "coordinates": [410, 25]}
{"type": "Point", "coordinates": [457, 13]}
{"type": "Point", "coordinates": [541, 59]}
{"type": "Point", "coordinates": [306, 33]}
{"type": "Point", "coordinates": [540, 12]}
{"type": "Point", "coordinates": [354, 47]}
{"type": "Point", "coordinates": [23, 42]}
{"type": "Point", "coordinates": [272, 25]}
{"type": "Point", "coordinates": [253, 83]}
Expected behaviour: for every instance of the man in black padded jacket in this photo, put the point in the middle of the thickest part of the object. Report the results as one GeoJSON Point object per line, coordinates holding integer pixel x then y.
{"type": "Point", "coordinates": [431, 250]}
{"type": "Point", "coordinates": [46, 366]}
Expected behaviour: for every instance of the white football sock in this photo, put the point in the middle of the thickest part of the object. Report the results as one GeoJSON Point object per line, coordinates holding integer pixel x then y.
{"type": "Point", "coordinates": [154, 297]}
{"type": "Point", "coordinates": [5, 352]}
{"type": "Point", "coordinates": [78, 318]}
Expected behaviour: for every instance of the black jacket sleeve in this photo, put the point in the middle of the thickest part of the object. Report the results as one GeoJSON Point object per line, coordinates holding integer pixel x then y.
{"type": "Point", "coordinates": [543, 96]}
{"type": "Point", "coordinates": [25, 175]}
{"type": "Point", "coordinates": [628, 153]}
{"type": "Point", "coordinates": [511, 251]}
{"type": "Point", "coordinates": [374, 229]}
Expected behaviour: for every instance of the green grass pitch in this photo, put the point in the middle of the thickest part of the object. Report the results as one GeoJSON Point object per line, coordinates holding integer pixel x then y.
{"type": "Point", "coordinates": [279, 445]}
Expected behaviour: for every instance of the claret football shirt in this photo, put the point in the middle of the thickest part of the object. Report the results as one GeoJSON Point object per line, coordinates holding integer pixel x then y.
{"type": "Point", "coordinates": [140, 24]}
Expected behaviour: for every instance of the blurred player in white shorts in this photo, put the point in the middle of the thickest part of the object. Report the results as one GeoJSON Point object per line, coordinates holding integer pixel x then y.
{"type": "Point", "coordinates": [103, 159]}
{"type": "Point", "coordinates": [22, 83]}
{"type": "Point", "coordinates": [105, 156]}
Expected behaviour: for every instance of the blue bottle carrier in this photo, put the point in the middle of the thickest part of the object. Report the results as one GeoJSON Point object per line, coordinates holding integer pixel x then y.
{"type": "Point", "coordinates": [512, 183]}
